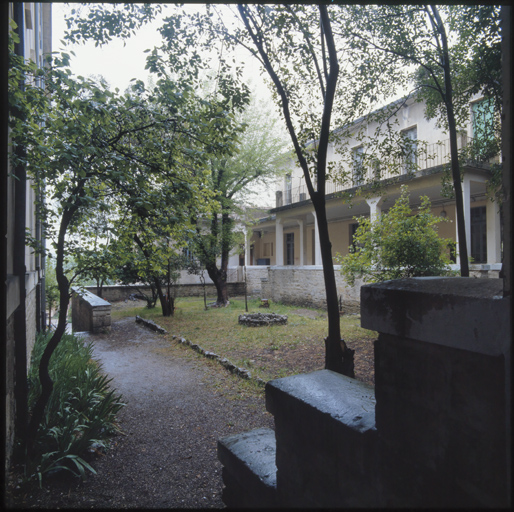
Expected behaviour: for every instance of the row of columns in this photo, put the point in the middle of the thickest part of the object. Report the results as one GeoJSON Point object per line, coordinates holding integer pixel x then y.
{"type": "Point", "coordinates": [375, 204]}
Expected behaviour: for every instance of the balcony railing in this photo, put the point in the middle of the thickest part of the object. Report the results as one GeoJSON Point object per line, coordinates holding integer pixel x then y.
{"type": "Point", "coordinates": [427, 157]}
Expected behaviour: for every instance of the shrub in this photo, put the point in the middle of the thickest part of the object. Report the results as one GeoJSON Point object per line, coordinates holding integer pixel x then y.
{"type": "Point", "coordinates": [399, 244]}
{"type": "Point", "coordinates": [81, 411]}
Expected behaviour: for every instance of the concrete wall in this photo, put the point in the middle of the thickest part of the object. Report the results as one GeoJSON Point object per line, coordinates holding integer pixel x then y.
{"type": "Point", "coordinates": [116, 293]}
{"type": "Point", "coordinates": [90, 313]}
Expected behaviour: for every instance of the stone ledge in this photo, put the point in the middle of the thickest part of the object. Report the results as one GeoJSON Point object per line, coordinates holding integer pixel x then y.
{"type": "Point", "coordinates": [249, 468]}
{"type": "Point", "coordinates": [151, 325]}
{"type": "Point", "coordinates": [342, 398]}
{"type": "Point", "coordinates": [231, 367]}
{"type": "Point", "coordinates": [425, 309]}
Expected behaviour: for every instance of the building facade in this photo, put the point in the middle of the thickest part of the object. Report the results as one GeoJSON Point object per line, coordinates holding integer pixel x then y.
{"type": "Point", "coordinates": [287, 238]}
{"type": "Point", "coordinates": [23, 308]}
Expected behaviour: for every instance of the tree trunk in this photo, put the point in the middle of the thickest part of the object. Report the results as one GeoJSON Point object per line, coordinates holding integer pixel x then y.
{"type": "Point", "coordinates": [164, 299]}
{"type": "Point", "coordinates": [454, 153]}
{"type": "Point", "coordinates": [219, 278]}
{"type": "Point", "coordinates": [338, 357]}
{"type": "Point", "coordinates": [47, 384]}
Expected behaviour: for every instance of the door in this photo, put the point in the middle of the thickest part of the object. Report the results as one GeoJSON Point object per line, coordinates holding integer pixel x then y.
{"type": "Point", "coordinates": [289, 248]}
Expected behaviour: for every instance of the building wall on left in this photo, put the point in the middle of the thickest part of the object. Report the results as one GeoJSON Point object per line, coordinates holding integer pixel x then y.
{"type": "Point", "coordinates": [22, 270]}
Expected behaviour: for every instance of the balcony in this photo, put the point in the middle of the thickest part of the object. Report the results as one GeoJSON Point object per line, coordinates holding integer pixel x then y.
{"type": "Point", "coordinates": [428, 156]}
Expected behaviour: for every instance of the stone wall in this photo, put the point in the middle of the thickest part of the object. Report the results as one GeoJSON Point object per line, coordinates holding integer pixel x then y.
{"type": "Point", "coordinates": [434, 432]}
{"type": "Point", "coordinates": [89, 312]}
{"type": "Point", "coordinates": [116, 293]}
{"type": "Point", "coordinates": [442, 384]}
{"type": "Point", "coordinates": [305, 286]}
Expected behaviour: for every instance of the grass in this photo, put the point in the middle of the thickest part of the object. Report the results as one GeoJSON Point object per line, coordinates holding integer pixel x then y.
{"type": "Point", "coordinates": [267, 352]}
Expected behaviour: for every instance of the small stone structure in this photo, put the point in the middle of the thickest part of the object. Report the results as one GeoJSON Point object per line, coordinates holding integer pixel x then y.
{"type": "Point", "coordinates": [261, 319]}
{"type": "Point", "coordinates": [434, 432]}
{"type": "Point", "coordinates": [89, 312]}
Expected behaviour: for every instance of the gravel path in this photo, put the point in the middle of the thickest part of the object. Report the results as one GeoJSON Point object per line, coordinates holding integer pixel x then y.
{"type": "Point", "coordinates": [178, 405]}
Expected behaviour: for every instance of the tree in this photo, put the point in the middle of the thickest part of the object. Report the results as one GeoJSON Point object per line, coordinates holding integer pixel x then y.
{"type": "Point", "coordinates": [256, 161]}
{"type": "Point", "coordinates": [444, 44]}
{"type": "Point", "coordinates": [92, 147]}
{"type": "Point", "coordinates": [301, 54]}
{"type": "Point", "coordinates": [398, 244]}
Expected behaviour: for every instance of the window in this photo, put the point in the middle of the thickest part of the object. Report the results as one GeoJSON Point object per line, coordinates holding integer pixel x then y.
{"type": "Point", "coordinates": [410, 147]}
{"type": "Point", "coordinates": [358, 166]}
{"type": "Point", "coordinates": [289, 248]}
{"type": "Point", "coordinates": [483, 129]}
{"type": "Point", "coordinates": [478, 241]}
{"type": "Point", "coordinates": [267, 250]}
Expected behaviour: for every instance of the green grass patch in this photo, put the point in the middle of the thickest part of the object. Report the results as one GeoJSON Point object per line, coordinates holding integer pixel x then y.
{"type": "Point", "coordinates": [258, 349]}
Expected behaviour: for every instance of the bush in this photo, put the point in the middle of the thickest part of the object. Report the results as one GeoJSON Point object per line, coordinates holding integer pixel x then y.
{"type": "Point", "coordinates": [399, 244]}
{"type": "Point", "coordinates": [81, 411]}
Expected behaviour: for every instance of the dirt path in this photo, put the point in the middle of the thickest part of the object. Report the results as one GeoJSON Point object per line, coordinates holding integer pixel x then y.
{"type": "Point", "coordinates": [178, 406]}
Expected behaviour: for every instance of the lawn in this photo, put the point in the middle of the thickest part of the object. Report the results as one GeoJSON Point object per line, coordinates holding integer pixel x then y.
{"type": "Point", "coordinates": [267, 352]}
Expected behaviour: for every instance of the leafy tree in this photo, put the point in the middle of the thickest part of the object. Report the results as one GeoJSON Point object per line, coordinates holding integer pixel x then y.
{"type": "Point", "coordinates": [397, 245]}
{"type": "Point", "coordinates": [448, 46]}
{"type": "Point", "coordinates": [301, 54]}
{"type": "Point", "coordinates": [297, 49]}
{"type": "Point", "coordinates": [92, 147]}
{"type": "Point", "coordinates": [256, 161]}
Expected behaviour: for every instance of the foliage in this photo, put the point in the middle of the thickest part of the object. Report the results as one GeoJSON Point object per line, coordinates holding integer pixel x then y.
{"type": "Point", "coordinates": [256, 161]}
{"type": "Point", "coordinates": [81, 411]}
{"type": "Point", "coordinates": [399, 244]}
{"type": "Point", "coordinates": [101, 23]}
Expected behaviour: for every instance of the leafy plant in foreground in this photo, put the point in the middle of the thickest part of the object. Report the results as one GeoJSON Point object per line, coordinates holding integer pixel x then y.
{"type": "Point", "coordinates": [81, 410]}
{"type": "Point", "coordinates": [399, 244]}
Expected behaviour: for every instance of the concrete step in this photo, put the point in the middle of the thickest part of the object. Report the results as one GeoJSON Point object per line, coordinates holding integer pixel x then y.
{"type": "Point", "coordinates": [326, 440]}
{"type": "Point", "coordinates": [249, 471]}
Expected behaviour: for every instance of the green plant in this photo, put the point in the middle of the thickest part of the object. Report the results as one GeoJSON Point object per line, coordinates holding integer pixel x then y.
{"type": "Point", "coordinates": [397, 245]}
{"type": "Point", "coordinates": [81, 410]}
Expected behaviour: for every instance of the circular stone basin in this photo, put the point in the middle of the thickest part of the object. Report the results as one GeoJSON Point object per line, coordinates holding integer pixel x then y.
{"type": "Point", "coordinates": [258, 319]}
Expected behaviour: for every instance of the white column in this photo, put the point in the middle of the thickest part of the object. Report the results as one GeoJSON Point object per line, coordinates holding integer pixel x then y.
{"type": "Point", "coordinates": [247, 249]}
{"type": "Point", "coordinates": [317, 245]}
{"type": "Point", "coordinates": [279, 243]}
{"type": "Point", "coordinates": [493, 232]}
{"type": "Point", "coordinates": [375, 210]}
{"type": "Point", "coordinates": [302, 249]}
{"type": "Point", "coordinates": [466, 199]}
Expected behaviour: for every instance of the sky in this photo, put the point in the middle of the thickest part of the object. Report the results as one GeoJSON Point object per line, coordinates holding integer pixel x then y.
{"type": "Point", "coordinates": [119, 61]}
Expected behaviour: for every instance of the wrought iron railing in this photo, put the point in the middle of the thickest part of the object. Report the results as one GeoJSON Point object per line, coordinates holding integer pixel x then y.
{"type": "Point", "coordinates": [428, 156]}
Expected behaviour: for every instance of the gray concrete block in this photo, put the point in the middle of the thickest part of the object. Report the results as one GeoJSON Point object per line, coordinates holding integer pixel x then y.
{"type": "Point", "coordinates": [326, 440]}
{"type": "Point", "coordinates": [249, 468]}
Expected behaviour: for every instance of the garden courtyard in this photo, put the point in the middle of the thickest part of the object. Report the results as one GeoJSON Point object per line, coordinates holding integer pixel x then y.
{"type": "Point", "coordinates": [179, 403]}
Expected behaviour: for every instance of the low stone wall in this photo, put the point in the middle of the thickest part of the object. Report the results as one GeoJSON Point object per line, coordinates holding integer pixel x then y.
{"type": "Point", "coordinates": [89, 312]}
{"type": "Point", "coordinates": [434, 432]}
{"type": "Point", "coordinates": [442, 380]}
{"type": "Point", "coordinates": [115, 293]}
{"type": "Point", "coordinates": [305, 287]}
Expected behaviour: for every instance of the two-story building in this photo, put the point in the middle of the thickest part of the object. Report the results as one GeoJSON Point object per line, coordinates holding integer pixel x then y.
{"type": "Point", "coordinates": [287, 238]}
